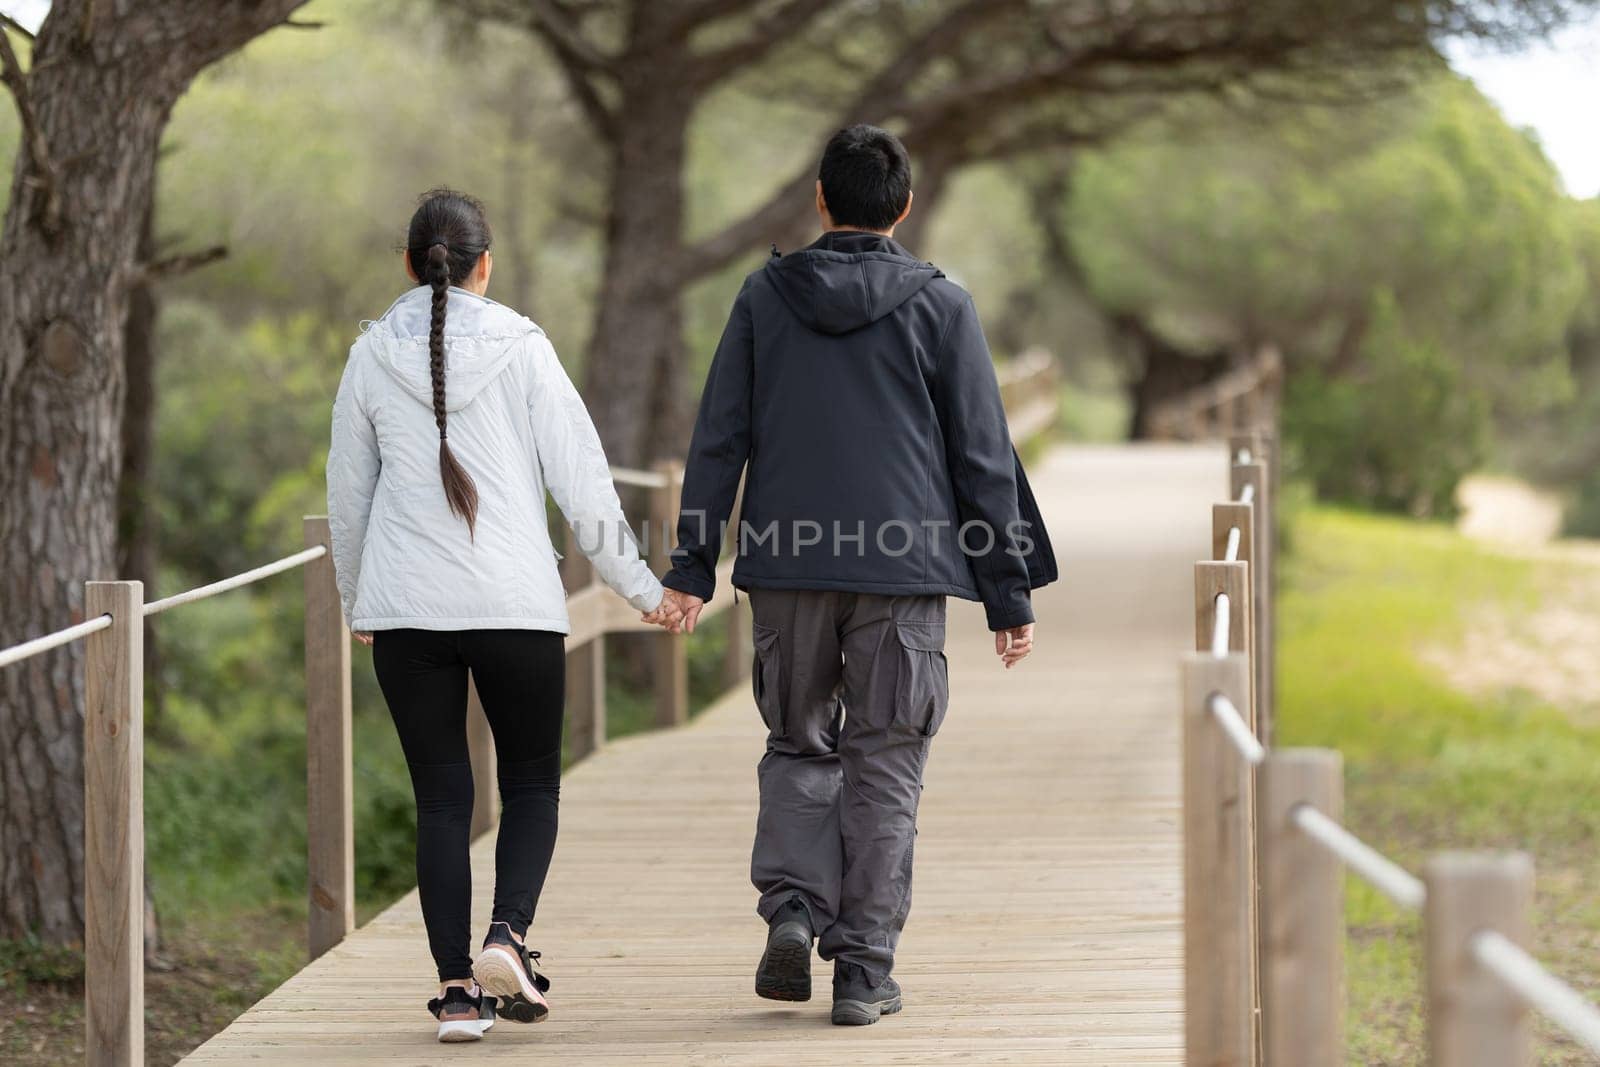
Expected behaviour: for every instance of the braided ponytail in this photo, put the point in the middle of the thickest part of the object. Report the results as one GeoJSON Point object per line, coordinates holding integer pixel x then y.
{"type": "Point", "coordinates": [448, 235]}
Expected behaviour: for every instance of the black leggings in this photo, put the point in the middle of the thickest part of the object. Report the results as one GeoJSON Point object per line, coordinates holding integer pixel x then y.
{"type": "Point", "coordinates": [520, 675]}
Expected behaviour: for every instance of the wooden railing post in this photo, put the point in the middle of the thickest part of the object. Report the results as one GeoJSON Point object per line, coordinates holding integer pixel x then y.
{"type": "Point", "coordinates": [1218, 875]}
{"type": "Point", "coordinates": [671, 654]}
{"type": "Point", "coordinates": [586, 669]}
{"type": "Point", "coordinates": [1254, 474]}
{"type": "Point", "coordinates": [330, 833]}
{"type": "Point", "coordinates": [1302, 911]}
{"type": "Point", "coordinates": [1212, 577]}
{"type": "Point", "coordinates": [113, 810]}
{"type": "Point", "coordinates": [480, 750]}
{"type": "Point", "coordinates": [1473, 1019]}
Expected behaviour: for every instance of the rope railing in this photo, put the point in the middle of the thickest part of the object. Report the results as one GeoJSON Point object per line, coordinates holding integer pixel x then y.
{"type": "Point", "coordinates": [18, 653]}
{"type": "Point", "coordinates": [640, 479]}
{"type": "Point", "coordinates": [1235, 729]}
{"type": "Point", "coordinates": [256, 574]}
{"type": "Point", "coordinates": [1378, 870]}
{"type": "Point", "coordinates": [1538, 988]}
{"type": "Point", "coordinates": [1273, 993]}
{"type": "Point", "coordinates": [1221, 627]}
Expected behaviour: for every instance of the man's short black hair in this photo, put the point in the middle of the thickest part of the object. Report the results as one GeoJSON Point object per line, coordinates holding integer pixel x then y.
{"type": "Point", "coordinates": [866, 177]}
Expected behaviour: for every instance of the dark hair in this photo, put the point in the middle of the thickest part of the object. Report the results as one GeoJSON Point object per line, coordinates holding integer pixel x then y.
{"type": "Point", "coordinates": [866, 177]}
{"type": "Point", "coordinates": [447, 237]}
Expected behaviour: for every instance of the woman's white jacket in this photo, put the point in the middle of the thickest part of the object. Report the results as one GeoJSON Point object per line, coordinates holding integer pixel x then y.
{"type": "Point", "coordinates": [518, 426]}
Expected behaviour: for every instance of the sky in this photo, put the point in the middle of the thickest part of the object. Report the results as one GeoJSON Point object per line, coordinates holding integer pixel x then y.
{"type": "Point", "coordinates": [1552, 88]}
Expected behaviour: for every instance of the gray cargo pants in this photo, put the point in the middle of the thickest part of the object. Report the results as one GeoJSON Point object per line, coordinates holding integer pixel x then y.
{"type": "Point", "coordinates": [852, 688]}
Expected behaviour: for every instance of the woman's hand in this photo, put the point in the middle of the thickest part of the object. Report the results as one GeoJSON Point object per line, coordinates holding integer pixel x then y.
{"type": "Point", "coordinates": [365, 639]}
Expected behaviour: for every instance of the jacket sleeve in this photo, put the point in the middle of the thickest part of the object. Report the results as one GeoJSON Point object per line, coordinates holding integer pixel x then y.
{"type": "Point", "coordinates": [982, 467]}
{"type": "Point", "coordinates": [717, 453]}
{"type": "Point", "coordinates": [576, 473]}
{"type": "Point", "coordinates": [353, 467]}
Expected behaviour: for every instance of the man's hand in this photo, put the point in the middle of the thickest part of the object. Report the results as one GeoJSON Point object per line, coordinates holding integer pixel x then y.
{"type": "Point", "coordinates": [677, 613]}
{"type": "Point", "coordinates": [1013, 644]}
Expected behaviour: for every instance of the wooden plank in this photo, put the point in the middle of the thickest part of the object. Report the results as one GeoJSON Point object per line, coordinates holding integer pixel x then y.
{"type": "Point", "coordinates": [113, 817]}
{"type": "Point", "coordinates": [1047, 926]}
{"type": "Point", "coordinates": [1218, 877]}
{"type": "Point", "coordinates": [1473, 1019]}
{"type": "Point", "coordinates": [1302, 911]}
{"type": "Point", "coordinates": [330, 820]}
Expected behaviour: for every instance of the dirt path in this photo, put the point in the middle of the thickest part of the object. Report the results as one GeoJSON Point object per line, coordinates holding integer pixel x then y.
{"type": "Point", "coordinates": [1549, 649]}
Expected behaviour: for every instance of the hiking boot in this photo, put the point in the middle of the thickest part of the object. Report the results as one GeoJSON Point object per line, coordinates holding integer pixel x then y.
{"type": "Point", "coordinates": [463, 1014]}
{"type": "Point", "coordinates": [505, 971]}
{"type": "Point", "coordinates": [858, 1003]}
{"type": "Point", "coordinates": [785, 970]}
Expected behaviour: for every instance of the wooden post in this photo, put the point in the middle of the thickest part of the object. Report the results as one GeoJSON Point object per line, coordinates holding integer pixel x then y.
{"type": "Point", "coordinates": [1302, 911]}
{"type": "Point", "coordinates": [1218, 872]}
{"type": "Point", "coordinates": [330, 831]}
{"type": "Point", "coordinates": [672, 653]}
{"type": "Point", "coordinates": [1473, 1019]}
{"type": "Point", "coordinates": [113, 823]}
{"type": "Point", "coordinates": [480, 750]}
{"type": "Point", "coordinates": [1254, 473]}
{"type": "Point", "coordinates": [586, 670]}
{"type": "Point", "coordinates": [1212, 577]}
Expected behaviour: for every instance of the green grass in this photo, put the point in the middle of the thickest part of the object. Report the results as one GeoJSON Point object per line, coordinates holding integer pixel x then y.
{"type": "Point", "coordinates": [1428, 766]}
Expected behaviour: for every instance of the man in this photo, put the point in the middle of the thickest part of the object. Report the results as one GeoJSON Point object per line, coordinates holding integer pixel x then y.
{"type": "Point", "coordinates": [856, 383]}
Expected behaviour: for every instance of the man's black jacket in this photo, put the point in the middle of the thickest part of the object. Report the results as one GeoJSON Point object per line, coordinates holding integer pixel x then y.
{"type": "Point", "coordinates": [856, 382]}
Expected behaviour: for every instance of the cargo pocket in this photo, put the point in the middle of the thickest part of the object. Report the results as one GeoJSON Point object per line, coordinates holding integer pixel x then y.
{"type": "Point", "coordinates": [766, 678]}
{"type": "Point", "coordinates": [922, 693]}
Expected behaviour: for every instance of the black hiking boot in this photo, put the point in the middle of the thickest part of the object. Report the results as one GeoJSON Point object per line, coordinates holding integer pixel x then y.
{"type": "Point", "coordinates": [785, 970]}
{"type": "Point", "coordinates": [856, 1002]}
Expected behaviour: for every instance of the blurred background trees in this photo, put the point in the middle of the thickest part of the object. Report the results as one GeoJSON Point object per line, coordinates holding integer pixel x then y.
{"type": "Point", "coordinates": [1147, 189]}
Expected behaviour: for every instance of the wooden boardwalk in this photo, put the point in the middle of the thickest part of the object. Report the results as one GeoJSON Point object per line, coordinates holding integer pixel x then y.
{"type": "Point", "coordinates": [1046, 924]}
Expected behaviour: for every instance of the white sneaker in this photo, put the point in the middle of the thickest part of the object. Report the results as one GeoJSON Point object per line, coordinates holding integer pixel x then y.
{"type": "Point", "coordinates": [463, 1014]}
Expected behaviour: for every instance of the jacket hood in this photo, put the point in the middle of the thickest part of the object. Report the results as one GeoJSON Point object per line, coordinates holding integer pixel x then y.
{"type": "Point", "coordinates": [847, 279]}
{"type": "Point", "coordinates": [481, 337]}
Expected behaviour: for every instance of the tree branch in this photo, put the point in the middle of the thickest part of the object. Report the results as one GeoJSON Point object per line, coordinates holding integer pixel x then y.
{"type": "Point", "coordinates": [873, 101]}
{"type": "Point", "coordinates": [579, 59]}
{"type": "Point", "coordinates": [767, 32]}
{"type": "Point", "coordinates": [48, 182]}
{"type": "Point", "coordinates": [179, 265]}
{"type": "Point", "coordinates": [9, 23]}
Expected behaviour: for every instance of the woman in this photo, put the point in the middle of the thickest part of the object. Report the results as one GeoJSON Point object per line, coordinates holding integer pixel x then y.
{"type": "Point", "coordinates": [445, 566]}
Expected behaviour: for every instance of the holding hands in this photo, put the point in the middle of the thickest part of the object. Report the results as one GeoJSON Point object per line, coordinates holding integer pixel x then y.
{"type": "Point", "coordinates": [677, 613]}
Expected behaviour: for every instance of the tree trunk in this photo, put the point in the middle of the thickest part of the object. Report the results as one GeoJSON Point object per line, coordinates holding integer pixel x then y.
{"type": "Point", "coordinates": [1167, 372]}
{"type": "Point", "coordinates": [101, 86]}
{"type": "Point", "coordinates": [633, 380]}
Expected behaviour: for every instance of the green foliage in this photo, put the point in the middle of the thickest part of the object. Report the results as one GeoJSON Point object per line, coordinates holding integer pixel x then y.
{"type": "Point", "coordinates": [30, 961]}
{"type": "Point", "coordinates": [1399, 439]}
{"type": "Point", "coordinates": [1413, 258]}
{"type": "Point", "coordinates": [1427, 765]}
